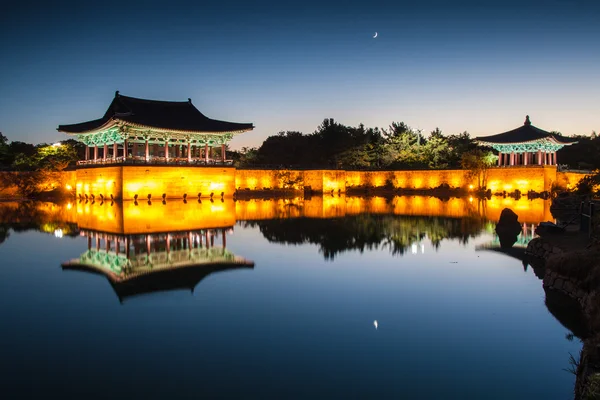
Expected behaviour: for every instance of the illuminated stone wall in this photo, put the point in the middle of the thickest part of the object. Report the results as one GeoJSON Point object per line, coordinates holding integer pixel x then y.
{"type": "Point", "coordinates": [124, 182]}
{"type": "Point", "coordinates": [509, 179]}
{"type": "Point", "coordinates": [177, 181]}
{"type": "Point", "coordinates": [422, 179]}
{"type": "Point", "coordinates": [537, 178]}
{"type": "Point", "coordinates": [568, 180]}
{"type": "Point", "coordinates": [100, 181]}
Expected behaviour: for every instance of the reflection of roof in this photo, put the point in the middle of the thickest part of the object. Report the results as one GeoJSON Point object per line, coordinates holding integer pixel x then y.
{"type": "Point", "coordinates": [129, 281]}
{"type": "Point", "coordinates": [525, 133]}
{"type": "Point", "coordinates": [171, 115]}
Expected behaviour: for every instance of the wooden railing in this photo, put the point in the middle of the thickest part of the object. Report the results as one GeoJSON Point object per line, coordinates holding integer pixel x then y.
{"type": "Point", "coordinates": [136, 160]}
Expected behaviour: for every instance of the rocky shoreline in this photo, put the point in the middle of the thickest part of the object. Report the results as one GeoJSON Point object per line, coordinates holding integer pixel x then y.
{"type": "Point", "coordinates": [571, 264]}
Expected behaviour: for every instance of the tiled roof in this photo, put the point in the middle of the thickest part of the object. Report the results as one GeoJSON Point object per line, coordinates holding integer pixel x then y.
{"type": "Point", "coordinates": [525, 133]}
{"type": "Point", "coordinates": [171, 115]}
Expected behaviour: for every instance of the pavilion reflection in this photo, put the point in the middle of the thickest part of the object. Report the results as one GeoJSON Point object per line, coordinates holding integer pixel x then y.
{"type": "Point", "coordinates": [142, 263]}
{"type": "Point", "coordinates": [154, 246]}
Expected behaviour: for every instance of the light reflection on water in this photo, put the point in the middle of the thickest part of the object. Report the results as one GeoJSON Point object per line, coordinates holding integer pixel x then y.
{"type": "Point", "coordinates": [347, 297]}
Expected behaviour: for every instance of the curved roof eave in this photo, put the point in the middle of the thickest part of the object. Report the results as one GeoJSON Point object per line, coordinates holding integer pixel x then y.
{"type": "Point", "coordinates": [117, 121]}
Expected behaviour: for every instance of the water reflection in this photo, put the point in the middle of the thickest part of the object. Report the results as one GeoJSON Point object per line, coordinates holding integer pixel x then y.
{"type": "Point", "coordinates": [480, 310]}
{"type": "Point", "coordinates": [369, 231]}
{"type": "Point", "coordinates": [145, 263]}
{"type": "Point", "coordinates": [335, 223]}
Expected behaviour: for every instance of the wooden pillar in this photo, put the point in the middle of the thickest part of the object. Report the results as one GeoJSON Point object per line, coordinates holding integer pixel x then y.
{"type": "Point", "coordinates": [147, 151]}
{"type": "Point", "coordinates": [539, 157]}
{"type": "Point", "coordinates": [512, 158]}
{"type": "Point", "coordinates": [115, 150]}
{"type": "Point", "coordinates": [105, 151]}
{"type": "Point", "coordinates": [89, 242]}
{"type": "Point", "coordinates": [167, 150]}
{"type": "Point", "coordinates": [95, 152]}
{"type": "Point", "coordinates": [189, 152]}
{"type": "Point", "coordinates": [554, 158]}
{"type": "Point", "coordinates": [127, 247]}
{"type": "Point", "coordinates": [499, 158]}
{"type": "Point", "coordinates": [206, 153]}
{"type": "Point", "coordinates": [125, 148]}
{"type": "Point", "coordinates": [224, 240]}
{"type": "Point", "coordinates": [223, 153]}
{"type": "Point", "coordinates": [87, 152]}
{"type": "Point", "coordinates": [525, 157]}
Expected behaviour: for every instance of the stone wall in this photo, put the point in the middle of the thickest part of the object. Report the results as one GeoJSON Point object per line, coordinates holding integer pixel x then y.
{"type": "Point", "coordinates": [566, 285]}
{"type": "Point", "coordinates": [531, 178]}
{"type": "Point", "coordinates": [538, 178]}
{"type": "Point", "coordinates": [63, 182]}
{"type": "Point", "coordinates": [124, 182]}
{"type": "Point", "coordinates": [568, 180]}
{"type": "Point", "coordinates": [540, 248]}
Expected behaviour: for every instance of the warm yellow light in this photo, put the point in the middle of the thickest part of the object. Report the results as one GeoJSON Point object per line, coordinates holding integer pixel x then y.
{"type": "Point", "coordinates": [251, 182]}
{"type": "Point", "coordinates": [69, 206]}
{"type": "Point", "coordinates": [471, 187]}
{"type": "Point", "coordinates": [69, 187]}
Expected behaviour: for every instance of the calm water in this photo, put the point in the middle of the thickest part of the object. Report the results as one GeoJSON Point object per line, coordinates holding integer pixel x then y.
{"type": "Point", "coordinates": [346, 298]}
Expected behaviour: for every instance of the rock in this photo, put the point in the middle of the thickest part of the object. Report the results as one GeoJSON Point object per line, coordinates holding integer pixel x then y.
{"type": "Point", "coordinates": [558, 284]}
{"type": "Point", "coordinates": [508, 228]}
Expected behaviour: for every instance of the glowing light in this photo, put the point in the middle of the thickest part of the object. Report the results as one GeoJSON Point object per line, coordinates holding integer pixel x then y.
{"type": "Point", "coordinates": [58, 233]}
{"type": "Point", "coordinates": [58, 144]}
{"type": "Point", "coordinates": [470, 186]}
{"type": "Point", "coordinates": [69, 187]}
{"type": "Point", "coordinates": [375, 324]}
{"type": "Point", "coordinates": [69, 206]}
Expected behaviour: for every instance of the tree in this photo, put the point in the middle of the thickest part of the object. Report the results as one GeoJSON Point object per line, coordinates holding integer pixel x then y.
{"type": "Point", "coordinates": [459, 145]}
{"type": "Point", "coordinates": [477, 162]}
{"type": "Point", "coordinates": [4, 151]}
{"type": "Point", "coordinates": [437, 150]}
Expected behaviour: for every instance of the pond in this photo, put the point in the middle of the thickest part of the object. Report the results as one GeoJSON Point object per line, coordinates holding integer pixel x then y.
{"type": "Point", "coordinates": [327, 297]}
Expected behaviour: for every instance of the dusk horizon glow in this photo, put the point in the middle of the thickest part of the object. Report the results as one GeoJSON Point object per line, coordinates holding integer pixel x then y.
{"type": "Point", "coordinates": [468, 66]}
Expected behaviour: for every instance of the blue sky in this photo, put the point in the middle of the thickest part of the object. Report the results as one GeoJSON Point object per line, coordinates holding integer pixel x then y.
{"type": "Point", "coordinates": [468, 65]}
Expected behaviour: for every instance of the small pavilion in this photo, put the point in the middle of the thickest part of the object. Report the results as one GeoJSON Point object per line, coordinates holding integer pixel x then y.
{"type": "Point", "coordinates": [526, 145]}
{"type": "Point", "coordinates": [154, 132]}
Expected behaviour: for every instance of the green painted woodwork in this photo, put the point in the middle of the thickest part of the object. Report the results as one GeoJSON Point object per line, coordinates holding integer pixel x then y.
{"type": "Point", "coordinates": [119, 265]}
{"type": "Point", "coordinates": [532, 147]}
{"type": "Point", "coordinates": [118, 134]}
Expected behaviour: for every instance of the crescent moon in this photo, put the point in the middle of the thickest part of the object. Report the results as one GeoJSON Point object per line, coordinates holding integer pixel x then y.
{"type": "Point", "coordinates": [375, 35]}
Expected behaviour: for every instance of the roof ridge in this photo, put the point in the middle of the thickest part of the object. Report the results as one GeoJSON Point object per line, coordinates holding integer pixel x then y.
{"type": "Point", "coordinates": [152, 100]}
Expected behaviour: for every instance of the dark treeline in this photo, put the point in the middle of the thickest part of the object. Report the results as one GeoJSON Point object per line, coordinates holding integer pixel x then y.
{"type": "Point", "coordinates": [21, 156]}
{"type": "Point", "coordinates": [583, 154]}
{"type": "Point", "coordinates": [336, 146]}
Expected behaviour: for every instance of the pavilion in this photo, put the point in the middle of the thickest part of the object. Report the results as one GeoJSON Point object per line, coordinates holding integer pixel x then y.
{"type": "Point", "coordinates": [154, 132]}
{"type": "Point", "coordinates": [526, 145]}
